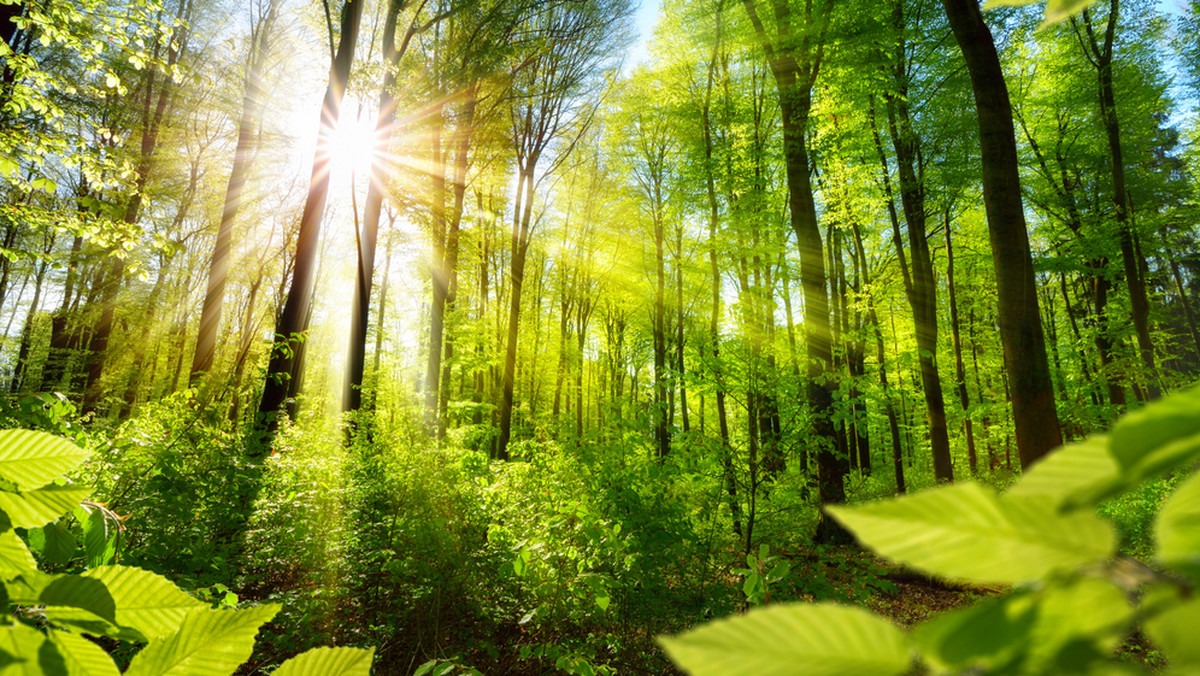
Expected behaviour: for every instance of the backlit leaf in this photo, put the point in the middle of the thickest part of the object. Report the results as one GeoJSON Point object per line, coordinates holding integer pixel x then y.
{"type": "Point", "coordinates": [15, 557]}
{"type": "Point", "coordinates": [1175, 632]}
{"type": "Point", "coordinates": [1158, 438]}
{"type": "Point", "coordinates": [1077, 475]}
{"type": "Point", "coordinates": [1178, 528]}
{"type": "Point", "coordinates": [33, 459]}
{"type": "Point", "coordinates": [43, 505]}
{"type": "Point", "coordinates": [966, 531]}
{"type": "Point", "coordinates": [814, 639]}
{"type": "Point", "coordinates": [329, 662]}
{"type": "Point", "coordinates": [209, 643]}
{"type": "Point", "coordinates": [82, 657]}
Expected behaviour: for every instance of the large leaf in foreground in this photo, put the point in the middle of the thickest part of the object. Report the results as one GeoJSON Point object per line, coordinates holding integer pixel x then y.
{"type": "Point", "coordinates": [812, 639]}
{"type": "Point", "coordinates": [328, 662]}
{"type": "Point", "coordinates": [1077, 475]}
{"type": "Point", "coordinates": [1158, 438]}
{"type": "Point", "coordinates": [1178, 528]}
{"type": "Point", "coordinates": [146, 602]}
{"type": "Point", "coordinates": [966, 531]}
{"type": "Point", "coordinates": [43, 505]}
{"type": "Point", "coordinates": [33, 459]}
{"type": "Point", "coordinates": [1175, 632]}
{"type": "Point", "coordinates": [209, 643]}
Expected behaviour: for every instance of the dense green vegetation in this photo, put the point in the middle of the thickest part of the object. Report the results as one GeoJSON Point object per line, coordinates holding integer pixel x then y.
{"type": "Point", "coordinates": [435, 328]}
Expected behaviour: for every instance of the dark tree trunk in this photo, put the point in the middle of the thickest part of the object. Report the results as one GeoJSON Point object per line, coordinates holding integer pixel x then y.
{"type": "Point", "coordinates": [286, 350]}
{"type": "Point", "coordinates": [1034, 413]}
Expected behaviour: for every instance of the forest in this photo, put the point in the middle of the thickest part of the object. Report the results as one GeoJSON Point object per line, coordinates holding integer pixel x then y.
{"type": "Point", "coordinates": [572, 336]}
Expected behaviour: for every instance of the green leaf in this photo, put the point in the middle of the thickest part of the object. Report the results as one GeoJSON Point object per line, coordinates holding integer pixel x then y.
{"type": "Point", "coordinates": [209, 643]}
{"type": "Point", "coordinates": [1056, 10]}
{"type": "Point", "coordinates": [1175, 632]}
{"type": "Point", "coordinates": [82, 657]}
{"type": "Point", "coordinates": [145, 601]}
{"type": "Point", "coordinates": [29, 648]}
{"type": "Point", "coordinates": [329, 662]}
{"type": "Point", "coordinates": [60, 546]}
{"type": "Point", "coordinates": [66, 591]}
{"type": "Point", "coordinates": [1085, 617]}
{"type": "Point", "coordinates": [1158, 438]}
{"type": "Point", "coordinates": [981, 637]}
{"type": "Point", "coordinates": [41, 506]}
{"type": "Point", "coordinates": [815, 639]}
{"type": "Point", "coordinates": [33, 459]}
{"type": "Point", "coordinates": [15, 558]}
{"type": "Point", "coordinates": [1077, 475]}
{"type": "Point", "coordinates": [966, 531]}
{"type": "Point", "coordinates": [98, 548]}
{"type": "Point", "coordinates": [1177, 530]}
{"type": "Point", "coordinates": [8, 166]}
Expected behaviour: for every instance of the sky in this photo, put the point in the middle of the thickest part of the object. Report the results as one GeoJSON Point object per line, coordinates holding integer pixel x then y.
{"type": "Point", "coordinates": [645, 19]}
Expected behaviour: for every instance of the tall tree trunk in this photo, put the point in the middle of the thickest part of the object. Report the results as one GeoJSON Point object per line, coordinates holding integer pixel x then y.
{"type": "Point", "coordinates": [1034, 415]}
{"type": "Point", "coordinates": [154, 107]}
{"type": "Point", "coordinates": [1101, 57]}
{"type": "Point", "coordinates": [795, 65]}
{"type": "Point", "coordinates": [287, 348]}
{"type": "Point", "coordinates": [218, 267]}
{"type": "Point", "coordinates": [960, 376]}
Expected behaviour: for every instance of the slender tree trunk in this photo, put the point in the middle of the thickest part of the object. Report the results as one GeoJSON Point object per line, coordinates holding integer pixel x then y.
{"type": "Point", "coordinates": [1034, 413]}
{"type": "Point", "coordinates": [1101, 57]}
{"type": "Point", "coordinates": [218, 267]}
{"type": "Point", "coordinates": [286, 350]}
{"type": "Point", "coordinates": [960, 377]}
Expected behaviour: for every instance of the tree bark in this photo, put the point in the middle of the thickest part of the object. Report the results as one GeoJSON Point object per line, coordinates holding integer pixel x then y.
{"type": "Point", "coordinates": [1034, 415]}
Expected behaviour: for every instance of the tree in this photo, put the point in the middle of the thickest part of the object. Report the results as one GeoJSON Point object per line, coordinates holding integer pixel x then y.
{"type": "Point", "coordinates": [282, 378]}
{"type": "Point", "coordinates": [794, 55]}
{"type": "Point", "coordinates": [262, 35]}
{"type": "Point", "coordinates": [1034, 413]}
{"type": "Point", "coordinates": [568, 42]}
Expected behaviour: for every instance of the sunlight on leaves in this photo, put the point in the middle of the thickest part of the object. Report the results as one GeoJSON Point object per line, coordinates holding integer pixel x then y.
{"type": "Point", "coordinates": [942, 531]}
{"type": "Point", "coordinates": [818, 639]}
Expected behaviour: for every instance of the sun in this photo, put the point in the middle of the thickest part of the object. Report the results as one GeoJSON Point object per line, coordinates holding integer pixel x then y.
{"type": "Point", "coordinates": [355, 143]}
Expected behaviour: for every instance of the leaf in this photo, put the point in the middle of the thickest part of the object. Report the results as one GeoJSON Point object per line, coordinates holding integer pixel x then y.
{"type": "Point", "coordinates": [53, 543]}
{"type": "Point", "coordinates": [1056, 10]}
{"type": "Point", "coordinates": [329, 662]}
{"type": "Point", "coordinates": [1177, 530]}
{"type": "Point", "coordinates": [82, 657]}
{"type": "Point", "coordinates": [1175, 632]}
{"type": "Point", "coordinates": [966, 531]}
{"type": "Point", "coordinates": [816, 639]}
{"type": "Point", "coordinates": [1158, 438]}
{"type": "Point", "coordinates": [28, 646]}
{"type": "Point", "coordinates": [41, 506]}
{"type": "Point", "coordinates": [66, 591]}
{"type": "Point", "coordinates": [1077, 475]}
{"type": "Point", "coordinates": [209, 643]}
{"type": "Point", "coordinates": [97, 546]}
{"type": "Point", "coordinates": [1086, 617]}
{"type": "Point", "coordinates": [8, 166]}
{"type": "Point", "coordinates": [981, 637]}
{"type": "Point", "coordinates": [1061, 10]}
{"type": "Point", "coordinates": [33, 459]}
{"type": "Point", "coordinates": [145, 601]}
{"type": "Point", "coordinates": [15, 558]}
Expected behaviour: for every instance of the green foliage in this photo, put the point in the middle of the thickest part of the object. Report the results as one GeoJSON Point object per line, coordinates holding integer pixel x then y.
{"type": "Point", "coordinates": [762, 571]}
{"type": "Point", "coordinates": [112, 601]}
{"type": "Point", "coordinates": [1072, 606]}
